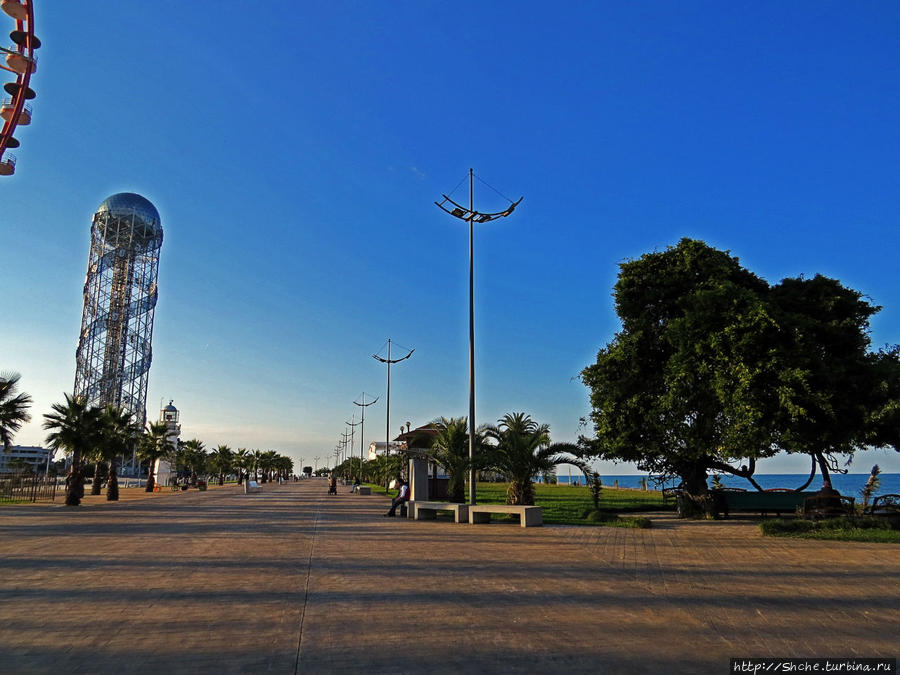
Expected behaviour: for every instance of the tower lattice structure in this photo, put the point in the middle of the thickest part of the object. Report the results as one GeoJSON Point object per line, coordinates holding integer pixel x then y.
{"type": "Point", "coordinates": [114, 348]}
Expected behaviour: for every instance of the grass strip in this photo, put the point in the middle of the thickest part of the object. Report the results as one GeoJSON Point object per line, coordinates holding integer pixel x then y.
{"type": "Point", "coordinates": [833, 529]}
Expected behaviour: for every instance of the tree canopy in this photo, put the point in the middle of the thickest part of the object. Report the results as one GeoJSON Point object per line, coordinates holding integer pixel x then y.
{"type": "Point", "coordinates": [714, 368]}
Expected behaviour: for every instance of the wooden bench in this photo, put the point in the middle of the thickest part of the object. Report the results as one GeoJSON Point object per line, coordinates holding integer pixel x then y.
{"type": "Point", "coordinates": [529, 516]}
{"type": "Point", "coordinates": [421, 510]}
{"type": "Point", "coordinates": [251, 486]}
{"type": "Point", "coordinates": [788, 501]}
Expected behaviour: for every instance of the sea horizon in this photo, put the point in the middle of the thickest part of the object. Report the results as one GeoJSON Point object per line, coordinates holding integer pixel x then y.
{"type": "Point", "coordinates": [850, 484]}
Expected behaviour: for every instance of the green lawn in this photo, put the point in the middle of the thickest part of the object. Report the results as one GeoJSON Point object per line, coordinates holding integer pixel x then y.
{"type": "Point", "coordinates": [567, 505]}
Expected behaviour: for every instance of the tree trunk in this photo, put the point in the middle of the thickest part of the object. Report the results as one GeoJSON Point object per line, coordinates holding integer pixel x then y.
{"type": "Point", "coordinates": [696, 501]}
{"type": "Point", "coordinates": [149, 487]}
{"type": "Point", "coordinates": [74, 481]}
{"type": "Point", "coordinates": [112, 483]}
{"type": "Point", "coordinates": [95, 485]}
{"type": "Point", "coordinates": [457, 489]}
{"type": "Point", "coordinates": [222, 478]}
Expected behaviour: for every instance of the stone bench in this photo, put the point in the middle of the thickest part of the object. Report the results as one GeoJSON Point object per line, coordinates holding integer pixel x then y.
{"type": "Point", "coordinates": [251, 486]}
{"type": "Point", "coordinates": [364, 490]}
{"type": "Point", "coordinates": [419, 510]}
{"type": "Point", "coordinates": [529, 516]}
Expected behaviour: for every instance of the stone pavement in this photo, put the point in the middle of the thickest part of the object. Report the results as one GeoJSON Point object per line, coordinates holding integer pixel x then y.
{"type": "Point", "coordinates": [295, 581]}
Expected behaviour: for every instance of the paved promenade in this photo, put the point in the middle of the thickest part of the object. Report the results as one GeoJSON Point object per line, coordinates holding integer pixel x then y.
{"type": "Point", "coordinates": [294, 581]}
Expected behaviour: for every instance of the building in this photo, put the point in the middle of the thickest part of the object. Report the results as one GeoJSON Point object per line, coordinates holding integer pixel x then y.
{"type": "Point", "coordinates": [36, 457]}
{"type": "Point", "coordinates": [376, 449]}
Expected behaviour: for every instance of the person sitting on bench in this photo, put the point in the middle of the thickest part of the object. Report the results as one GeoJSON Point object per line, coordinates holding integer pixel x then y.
{"type": "Point", "coordinates": [401, 498]}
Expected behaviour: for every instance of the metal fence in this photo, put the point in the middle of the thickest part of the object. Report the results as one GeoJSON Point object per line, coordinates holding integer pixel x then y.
{"type": "Point", "coordinates": [26, 488]}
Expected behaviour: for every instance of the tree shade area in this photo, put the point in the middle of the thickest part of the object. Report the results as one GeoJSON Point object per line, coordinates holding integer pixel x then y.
{"type": "Point", "coordinates": [714, 369]}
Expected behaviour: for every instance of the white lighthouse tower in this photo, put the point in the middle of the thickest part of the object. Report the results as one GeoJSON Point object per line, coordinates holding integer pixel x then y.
{"type": "Point", "coordinates": [163, 469]}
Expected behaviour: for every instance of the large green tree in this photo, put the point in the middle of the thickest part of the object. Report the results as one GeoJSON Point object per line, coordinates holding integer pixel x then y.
{"type": "Point", "coordinates": [842, 397]}
{"type": "Point", "coordinates": [714, 369]}
{"type": "Point", "coordinates": [13, 408]}
{"type": "Point", "coordinates": [74, 427]}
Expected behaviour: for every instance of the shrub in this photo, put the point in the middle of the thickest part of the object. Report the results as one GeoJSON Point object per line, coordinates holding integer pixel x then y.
{"type": "Point", "coordinates": [775, 527]}
{"type": "Point", "coordinates": [640, 523]}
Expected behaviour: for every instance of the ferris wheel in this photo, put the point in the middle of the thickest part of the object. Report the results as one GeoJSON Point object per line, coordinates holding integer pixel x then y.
{"type": "Point", "coordinates": [21, 61]}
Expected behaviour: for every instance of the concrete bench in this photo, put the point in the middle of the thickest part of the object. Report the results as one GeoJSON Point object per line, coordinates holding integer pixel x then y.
{"type": "Point", "coordinates": [529, 516]}
{"type": "Point", "coordinates": [364, 490]}
{"type": "Point", "coordinates": [420, 510]}
{"type": "Point", "coordinates": [251, 486]}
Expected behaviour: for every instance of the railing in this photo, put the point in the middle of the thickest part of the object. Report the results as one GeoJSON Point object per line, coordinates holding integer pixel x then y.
{"type": "Point", "coordinates": [26, 488]}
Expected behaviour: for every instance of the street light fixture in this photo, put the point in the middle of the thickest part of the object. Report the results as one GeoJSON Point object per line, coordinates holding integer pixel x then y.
{"type": "Point", "coordinates": [472, 216]}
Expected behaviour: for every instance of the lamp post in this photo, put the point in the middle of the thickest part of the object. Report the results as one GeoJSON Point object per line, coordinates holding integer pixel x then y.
{"type": "Point", "coordinates": [342, 450]}
{"type": "Point", "coordinates": [472, 216]}
{"type": "Point", "coordinates": [362, 431]}
{"type": "Point", "coordinates": [388, 361]}
{"type": "Point", "coordinates": [353, 426]}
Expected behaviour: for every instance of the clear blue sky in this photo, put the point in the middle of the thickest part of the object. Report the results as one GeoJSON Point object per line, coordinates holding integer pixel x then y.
{"type": "Point", "coordinates": [294, 151]}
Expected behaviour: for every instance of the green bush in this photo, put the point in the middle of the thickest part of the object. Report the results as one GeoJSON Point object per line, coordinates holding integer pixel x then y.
{"type": "Point", "coordinates": [640, 522]}
{"type": "Point", "coordinates": [599, 516]}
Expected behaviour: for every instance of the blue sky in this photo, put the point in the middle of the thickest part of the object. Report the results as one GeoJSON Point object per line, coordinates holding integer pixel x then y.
{"type": "Point", "coordinates": [295, 151]}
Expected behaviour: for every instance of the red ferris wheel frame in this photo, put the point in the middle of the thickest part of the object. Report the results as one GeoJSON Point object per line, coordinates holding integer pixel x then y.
{"type": "Point", "coordinates": [26, 42]}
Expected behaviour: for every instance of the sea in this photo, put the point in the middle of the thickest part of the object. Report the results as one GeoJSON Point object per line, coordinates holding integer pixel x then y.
{"type": "Point", "coordinates": [849, 484]}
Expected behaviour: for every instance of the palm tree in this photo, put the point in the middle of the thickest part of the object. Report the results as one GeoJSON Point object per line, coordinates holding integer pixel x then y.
{"type": "Point", "coordinates": [75, 427]}
{"type": "Point", "coordinates": [13, 408]}
{"type": "Point", "coordinates": [194, 456]}
{"type": "Point", "coordinates": [268, 462]}
{"type": "Point", "coordinates": [256, 456]}
{"type": "Point", "coordinates": [152, 446]}
{"type": "Point", "coordinates": [450, 449]}
{"type": "Point", "coordinates": [120, 432]}
{"type": "Point", "coordinates": [241, 462]}
{"type": "Point", "coordinates": [522, 450]}
{"type": "Point", "coordinates": [222, 461]}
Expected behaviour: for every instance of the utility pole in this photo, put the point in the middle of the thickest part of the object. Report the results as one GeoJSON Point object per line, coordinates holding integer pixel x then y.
{"type": "Point", "coordinates": [472, 216]}
{"type": "Point", "coordinates": [388, 361]}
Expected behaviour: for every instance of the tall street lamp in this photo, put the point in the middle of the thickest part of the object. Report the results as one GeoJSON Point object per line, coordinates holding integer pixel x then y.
{"type": "Point", "coordinates": [388, 361]}
{"type": "Point", "coordinates": [352, 426]}
{"type": "Point", "coordinates": [472, 216]}
{"type": "Point", "coordinates": [362, 431]}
